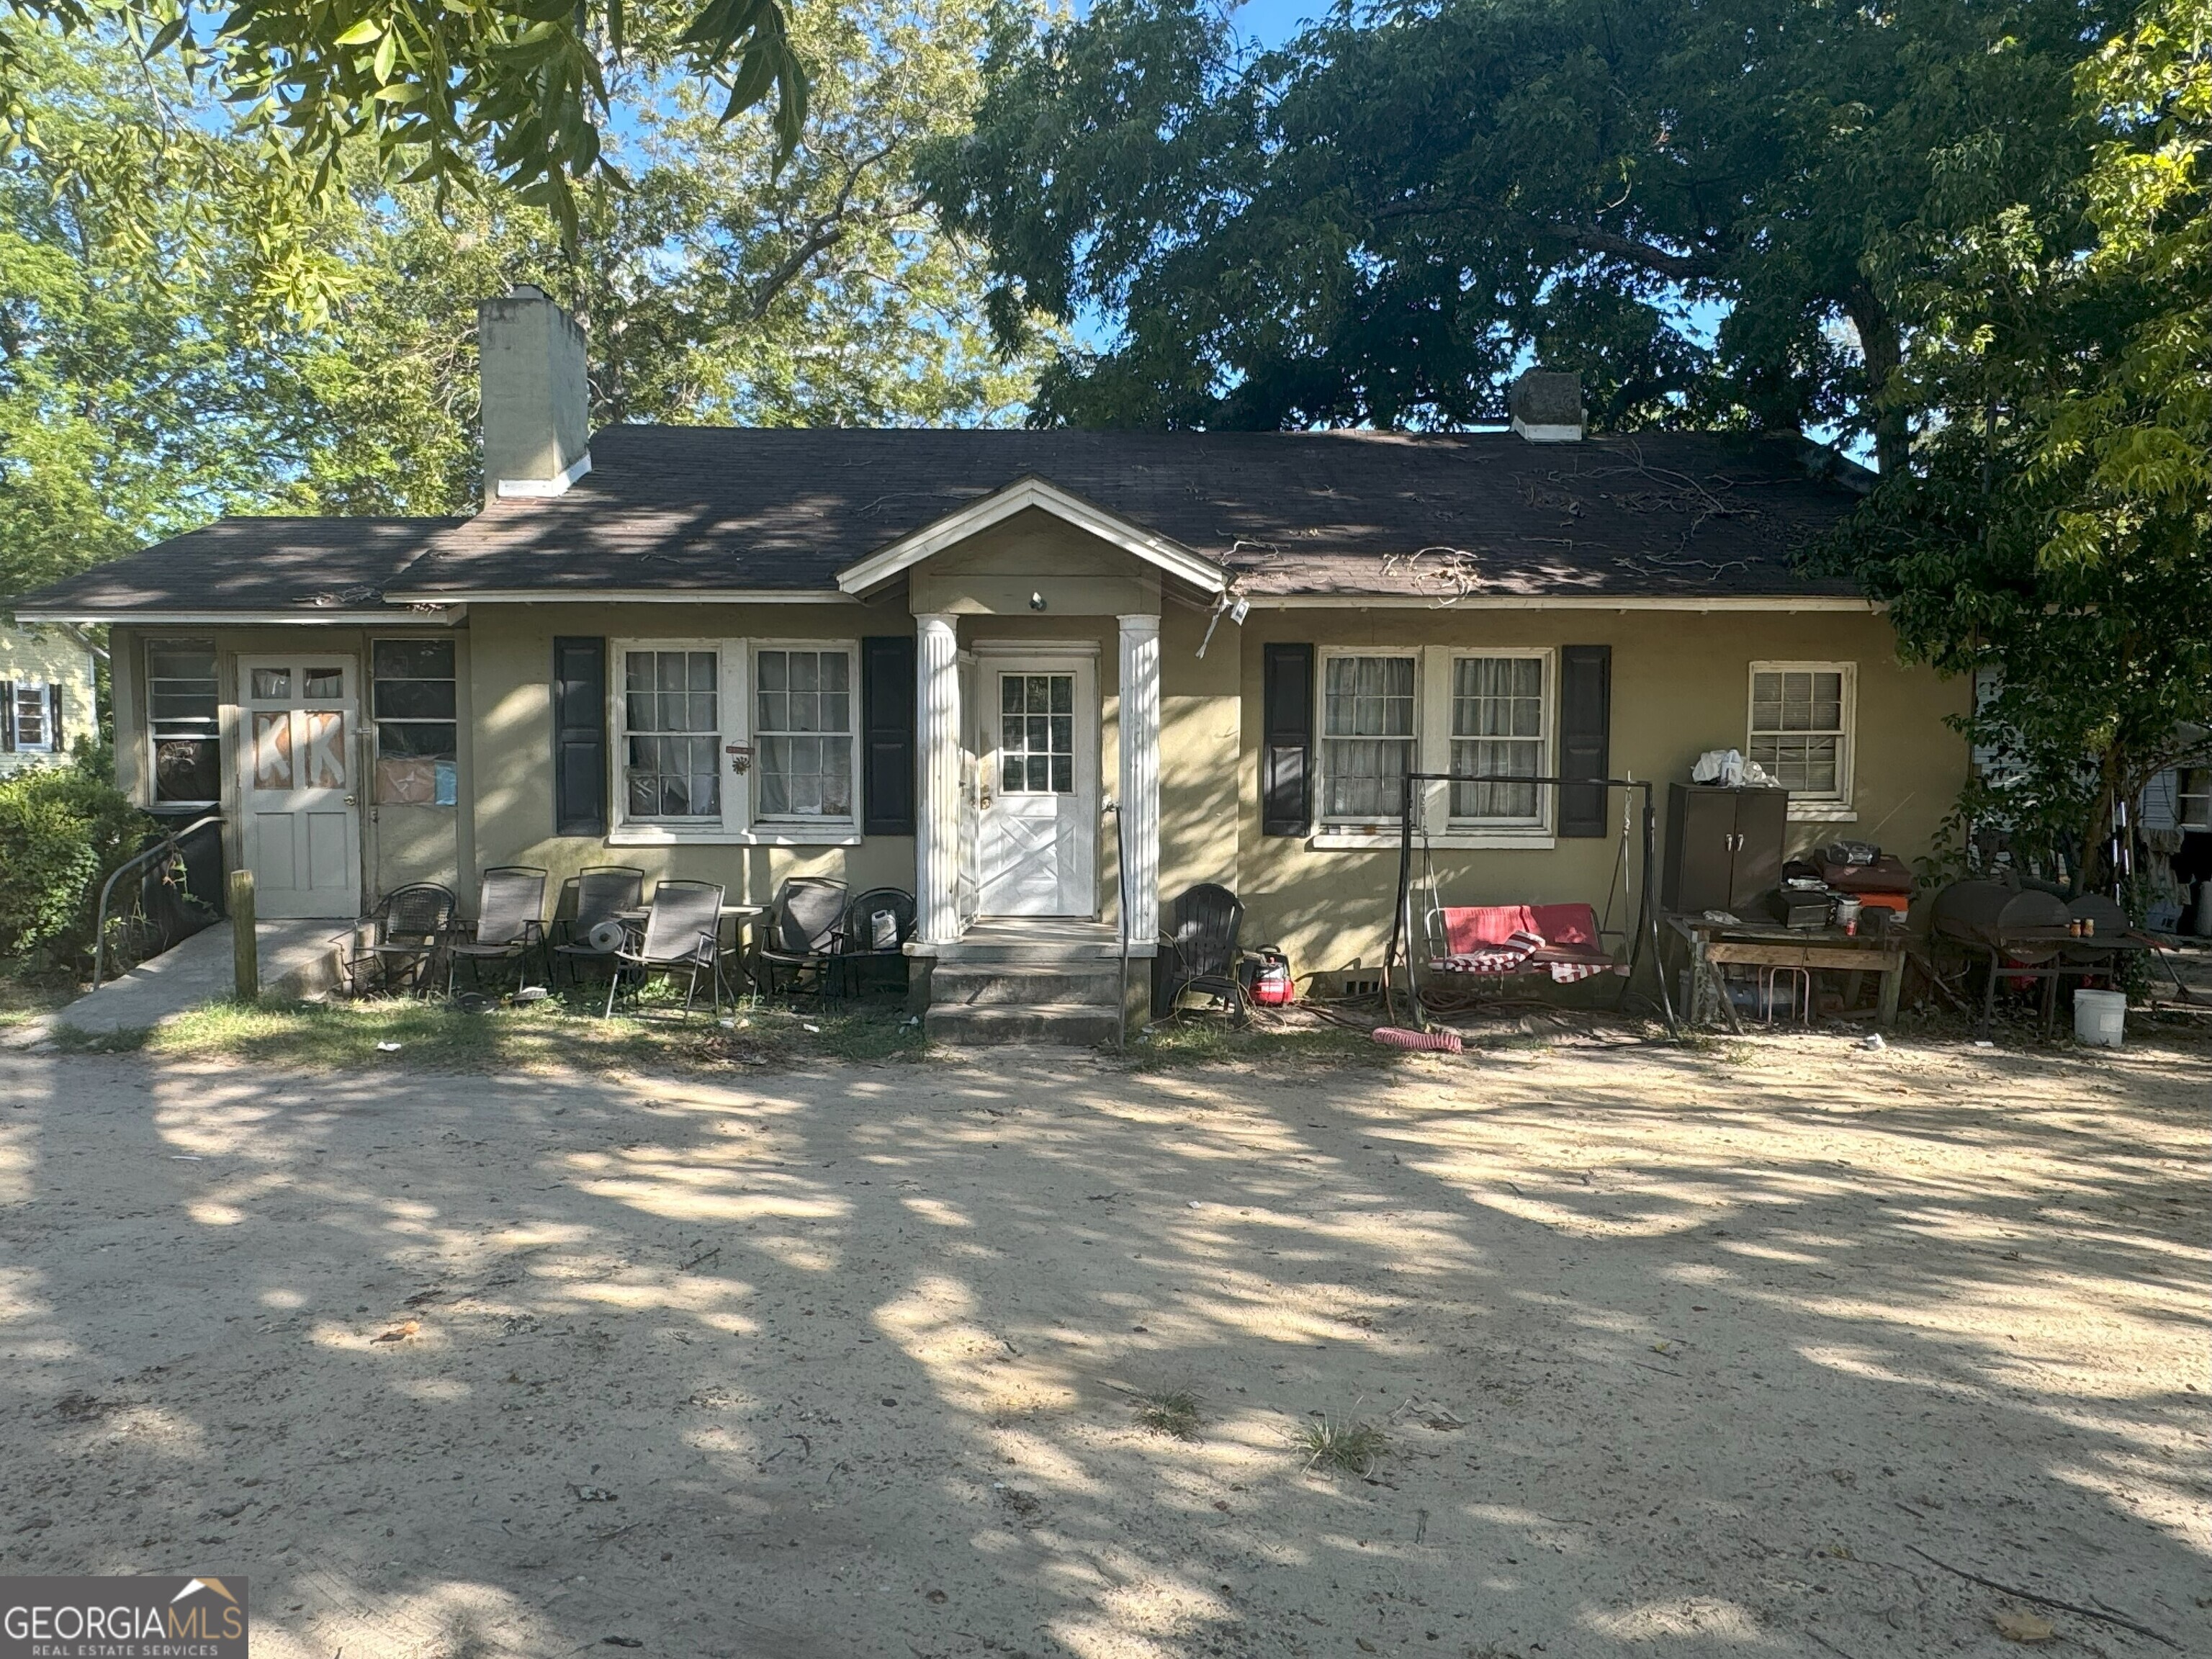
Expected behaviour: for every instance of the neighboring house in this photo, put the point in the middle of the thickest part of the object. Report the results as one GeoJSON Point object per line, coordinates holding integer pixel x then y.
{"type": "Point", "coordinates": [46, 696]}
{"type": "Point", "coordinates": [976, 664]}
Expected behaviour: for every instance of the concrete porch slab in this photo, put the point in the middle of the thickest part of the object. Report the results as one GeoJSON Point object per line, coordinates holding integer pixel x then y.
{"type": "Point", "coordinates": [298, 959]}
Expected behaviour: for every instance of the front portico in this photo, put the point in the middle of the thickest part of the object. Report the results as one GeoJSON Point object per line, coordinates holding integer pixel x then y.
{"type": "Point", "coordinates": [1038, 715]}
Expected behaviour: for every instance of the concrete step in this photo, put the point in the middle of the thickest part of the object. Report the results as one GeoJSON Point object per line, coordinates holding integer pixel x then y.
{"type": "Point", "coordinates": [1034, 950]}
{"type": "Point", "coordinates": [1083, 1024]}
{"type": "Point", "coordinates": [972, 984]}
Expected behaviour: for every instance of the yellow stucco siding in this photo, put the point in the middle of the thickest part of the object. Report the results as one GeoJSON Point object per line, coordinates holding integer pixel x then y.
{"type": "Point", "coordinates": [1681, 684]}
{"type": "Point", "coordinates": [43, 658]}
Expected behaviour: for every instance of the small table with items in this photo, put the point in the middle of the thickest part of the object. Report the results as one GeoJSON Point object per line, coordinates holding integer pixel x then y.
{"type": "Point", "coordinates": [1712, 943]}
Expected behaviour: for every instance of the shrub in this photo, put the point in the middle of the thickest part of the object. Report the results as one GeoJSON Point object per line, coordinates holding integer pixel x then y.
{"type": "Point", "coordinates": [62, 830]}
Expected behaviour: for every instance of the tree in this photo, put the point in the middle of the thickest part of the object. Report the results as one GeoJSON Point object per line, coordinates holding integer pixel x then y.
{"type": "Point", "coordinates": [723, 283]}
{"type": "Point", "coordinates": [2056, 529]}
{"type": "Point", "coordinates": [436, 93]}
{"type": "Point", "coordinates": [1378, 222]}
{"type": "Point", "coordinates": [146, 371]}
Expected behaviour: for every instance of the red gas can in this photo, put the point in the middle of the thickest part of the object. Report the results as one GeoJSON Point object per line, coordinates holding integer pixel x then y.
{"type": "Point", "coordinates": [1272, 985]}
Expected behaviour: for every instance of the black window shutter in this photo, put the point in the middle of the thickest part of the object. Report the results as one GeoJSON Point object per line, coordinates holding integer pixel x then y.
{"type": "Point", "coordinates": [7, 717]}
{"type": "Point", "coordinates": [887, 700]}
{"type": "Point", "coordinates": [580, 736]}
{"type": "Point", "coordinates": [54, 717]}
{"type": "Point", "coordinates": [1585, 732]}
{"type": "Point", "coordinates": [1286, 740]}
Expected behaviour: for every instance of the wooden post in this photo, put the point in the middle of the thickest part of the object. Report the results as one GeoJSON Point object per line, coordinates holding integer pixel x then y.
{"type": "Point", "coordinates": [245, 956]}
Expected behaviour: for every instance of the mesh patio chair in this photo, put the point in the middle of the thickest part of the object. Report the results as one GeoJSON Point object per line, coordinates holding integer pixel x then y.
{"type": "Point", "coordinates": [407, 929]}
{"type": "Point", "coordinates": [805, 927]}
{"type": "Point", "coordinates": [682, 934]}
{"type": "Point", "coordinates": [877, 925]}
{"type": "Point", "coordinates": [594, 934]}
{"type": "Point", "coordinates": [509, 924]}
{"type": "Point", "coordinates": [1199, 952]}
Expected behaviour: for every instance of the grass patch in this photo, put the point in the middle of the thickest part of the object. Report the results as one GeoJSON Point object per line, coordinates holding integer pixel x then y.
{"type": "Point", "coordinates": [1174, 1413]}
{"type": "Point", "coordinates": [1184, 1043]}
{"type": "Point", "coordinates": [1350, 1447]}
{"type": "Point", "coordinates": [544, 1037]}
{"type": "Point", "coordinates": [23, 999]}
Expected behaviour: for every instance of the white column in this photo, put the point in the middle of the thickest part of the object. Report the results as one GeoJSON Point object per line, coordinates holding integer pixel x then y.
{"type": "Point", "coordinates": [937, 814]}
{"type": "Point", "coordinates": [1141, 773]}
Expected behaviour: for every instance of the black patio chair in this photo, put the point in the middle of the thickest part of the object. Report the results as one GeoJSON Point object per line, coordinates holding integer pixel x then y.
{"type": "Point", "coordinates": [804, 928]}
{"type": "Point", "coordinates": [509, 924]}
{"type": "Point", "coordinates": [682, 934]}
{"type": "Point", "coordinates": [877, 926]}
{"type": "Point", "coordinates": [1199, 952]}
{"type": "Point", "coordinates": [594, 934]}
{"type": "Point", "coordinates": [407, 929]}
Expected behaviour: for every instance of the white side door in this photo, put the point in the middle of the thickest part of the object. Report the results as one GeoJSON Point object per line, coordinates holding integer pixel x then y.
{"type": "Point", "coordinates": [1037, 788]}
{"type": "Point", "coordinates": [296, 787]}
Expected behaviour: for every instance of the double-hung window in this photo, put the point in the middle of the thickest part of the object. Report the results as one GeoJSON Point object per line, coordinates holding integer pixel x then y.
{"type": "Point", "coordinates": [803, 734]}
{"type": "Point", "coordinates": [672, 735]}
{"type": "Point", "coordinates": [182, 722]}
{"type": "Point", "coordinates": [1802, 717]}
{"type": "Point", "coordinates": [735, 741]}
{"type": "Point", "coordinates": [414, 700]}
{"type": "Point", "coordinates": [1499, 728]}
{"type": "Point", "coordinates": [30, 717]}
{"type": "Point", "coordinates": [1370, 714]}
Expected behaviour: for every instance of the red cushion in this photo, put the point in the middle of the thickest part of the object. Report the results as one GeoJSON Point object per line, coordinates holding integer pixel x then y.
{"type": "Point", "coordinates": [1469, 927]}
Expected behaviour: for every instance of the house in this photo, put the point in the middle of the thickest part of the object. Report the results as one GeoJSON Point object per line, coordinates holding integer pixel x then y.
{"type": "Point", "coordinates": [1043, 679]}
{"type": "Point", "coordinates": [47, 676]}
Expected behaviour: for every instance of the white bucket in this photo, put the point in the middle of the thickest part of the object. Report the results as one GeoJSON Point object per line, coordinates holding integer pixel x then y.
{"type": "Point", "coordinates": [2098, 1016]}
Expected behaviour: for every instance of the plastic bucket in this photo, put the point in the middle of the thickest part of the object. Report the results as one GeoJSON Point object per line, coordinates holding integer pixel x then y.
{"type": "Point", "coordinates": [2098, 1016]}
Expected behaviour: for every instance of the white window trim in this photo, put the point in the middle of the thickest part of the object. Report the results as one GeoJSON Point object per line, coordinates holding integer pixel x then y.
{"type": "Point", "coordinates": [45, 699]}
{"type": "Point", "coordinates": [735, 695]}
{"type": "Point", "coordinates": [1432, 741]}
{"type": "Point", "coordinates": [1353, 831]}
{"type": "Point", "coordinates": [1838, 808]}
{"type": "Point", "coordinates": [798, 831]}
{"type": "Point", "coordinates": [149, 740]}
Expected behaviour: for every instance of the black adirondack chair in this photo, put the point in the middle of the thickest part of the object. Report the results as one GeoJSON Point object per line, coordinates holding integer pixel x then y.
{"type": "Point", "coordinates": [877, 925]}
{"type": "Point", "coordinates": [1198, 951]}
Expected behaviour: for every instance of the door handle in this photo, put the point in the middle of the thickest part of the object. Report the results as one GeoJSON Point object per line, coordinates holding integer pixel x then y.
{"type": "Point", "coordinates": [348, 800]}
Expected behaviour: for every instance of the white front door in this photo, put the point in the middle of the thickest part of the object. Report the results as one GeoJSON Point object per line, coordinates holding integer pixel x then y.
{"type": "Point", "coordinates": [296, 786]}
{"type": "Point", "coordinates": [1037, 790]}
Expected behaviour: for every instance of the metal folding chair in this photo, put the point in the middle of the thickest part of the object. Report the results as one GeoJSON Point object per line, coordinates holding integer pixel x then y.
{"type": "Point", "coordinates": [602, 892]}
{"type": "Point", "coordinates": [805, 927]}
{"type": "Point", "coordinates": [510, 923]}
{"type": "Point", "coordinates": [682, 934]}
{"type": "Point", "coordinates": [409, 928]}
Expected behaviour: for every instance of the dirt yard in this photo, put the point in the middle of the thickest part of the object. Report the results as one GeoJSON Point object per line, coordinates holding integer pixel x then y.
{"type": "Point", "coordinates": [1675, 1353]}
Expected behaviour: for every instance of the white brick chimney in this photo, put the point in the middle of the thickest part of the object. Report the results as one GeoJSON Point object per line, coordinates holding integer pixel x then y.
{"type": "Point", "coordinates": [536, 405]}
{"type": "Point", "coordinates": [1546, 406]}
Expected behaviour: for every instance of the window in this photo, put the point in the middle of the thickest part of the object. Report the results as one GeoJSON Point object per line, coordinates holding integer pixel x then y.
{"type": "Point", "coordinates": [671, 737]}
{"type": "Point", "coordinates": [2192, 806]}
{"type": "Point", "coordinates": [1498, 727]}
{"type": "Point", "coordinates": [418, 727]}
{"type": "Point", "coordinates": [1367, 736]}
{"type": "Point", "coordinates": [182, 722]}
{"type": "Point", "coordinates": [30, 721]}
{"type": "Point", "coordinates": [803, 733]}
{"type": "Point", "coordinates": [1036, 734]}
{"type": "Point", "coordinates": [1800, 727]}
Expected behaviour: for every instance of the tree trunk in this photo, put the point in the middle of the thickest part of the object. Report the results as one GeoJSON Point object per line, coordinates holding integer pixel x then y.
{"type": "Point", "coordinates": [1878, 343]}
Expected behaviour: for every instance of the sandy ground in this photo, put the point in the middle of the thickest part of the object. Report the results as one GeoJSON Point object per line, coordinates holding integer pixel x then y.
{"type": "Point", "coordinates": [1678, 1353]}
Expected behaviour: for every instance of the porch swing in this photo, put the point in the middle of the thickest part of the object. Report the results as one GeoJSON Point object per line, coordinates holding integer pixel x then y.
{"type": "Point", "coordinates": [1468, 949]}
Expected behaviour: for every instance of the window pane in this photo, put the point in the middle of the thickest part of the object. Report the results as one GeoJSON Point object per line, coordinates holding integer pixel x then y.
{"type": "Point", "coordinates": [1362, 778]}
{"type": "Point", "coordinates": [672, 754]}
{"type": "Point", "coordinates": [412, 659]}
{"type": "Point", "coordinates": [432, 739]}
{"type": "Point", "coordinates": [803, 719]}
{"type": "Point", "coordinates": [272, 683]}
{"type": "Point", "coordinates": [187, 768]}
{"type": "Point", "coordinates": [415, 700]}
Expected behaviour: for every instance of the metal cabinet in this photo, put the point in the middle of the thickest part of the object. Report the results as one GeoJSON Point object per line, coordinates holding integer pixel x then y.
{"type": "Point", "coordinates": [1723, 846]}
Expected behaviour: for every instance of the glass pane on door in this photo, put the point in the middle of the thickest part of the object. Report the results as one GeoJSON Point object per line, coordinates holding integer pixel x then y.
{"type": "Point", "coordinates": [1036, 734]}
{"type": "Point", "coordinates": [272, 748]}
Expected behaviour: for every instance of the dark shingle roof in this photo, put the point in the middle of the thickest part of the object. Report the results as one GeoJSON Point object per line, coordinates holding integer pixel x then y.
{"type": "Point", "coordinates": [673, 508]}
{"type": "Point", "coordinates": [250, 565]}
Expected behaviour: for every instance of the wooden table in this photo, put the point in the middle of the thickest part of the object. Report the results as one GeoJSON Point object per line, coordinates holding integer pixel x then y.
{"type": "Point", "coordinates": [1713, 944]}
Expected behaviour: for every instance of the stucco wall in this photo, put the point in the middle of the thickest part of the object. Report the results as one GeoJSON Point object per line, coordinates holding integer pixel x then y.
{"type": "Point", "coordinates": [1680, 685]}
{"type": "Point", "coordinates": [51, 656]}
